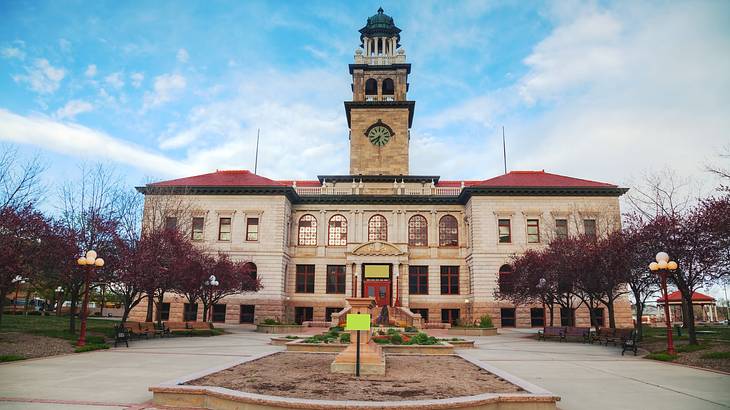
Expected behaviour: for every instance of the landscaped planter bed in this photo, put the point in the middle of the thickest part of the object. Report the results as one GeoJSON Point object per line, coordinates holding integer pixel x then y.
{"type": "Point", "coordinates": [281, 341]}
{"type": "Point", "coordinates": [301, 346]}
{"type": "Point", "coordinates": [473, 331]}
{"type": "Point", "coordinates": [303, 381]}
{"type": "Point", "coordinates": [278, 329]}
{"type": "Point", "coordinates": [439, 349]}
{"type": "Point", "coordinates": [461, 344]}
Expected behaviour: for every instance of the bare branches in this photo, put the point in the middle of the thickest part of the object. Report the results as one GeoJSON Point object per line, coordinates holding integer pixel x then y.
{"type": "Point", "coordinates": [662, 193]}
{"type": "Point", "coordinates": [722, 172]}
{"type": "Point", "coordinates": [19, 181]}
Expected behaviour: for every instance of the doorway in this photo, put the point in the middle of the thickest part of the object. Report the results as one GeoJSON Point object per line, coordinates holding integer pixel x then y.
{"type": "Point", "coordinates": [378, 289]}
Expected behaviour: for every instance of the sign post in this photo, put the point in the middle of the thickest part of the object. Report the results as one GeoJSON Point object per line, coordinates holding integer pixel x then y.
{"type": "Point", "coordinates": [357, 322]}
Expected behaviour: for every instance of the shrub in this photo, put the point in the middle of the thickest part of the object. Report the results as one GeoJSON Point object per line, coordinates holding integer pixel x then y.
{"type": "Point", "coordinates": [291, 337]}
{"type": "Point", "coordinates": [423, 339]}
{"type": "Point", "coordinates": [91, 347]}
{"type": "Point", "coordinates": [392, 331]}
{"type": "Point", "coordinates": [396, 339]}
{"type": "Point", "coordinates": [345, 338]}
{"type": "Point", "coordinates": [662, 356]}
{"type": "Point", "coordinates": [271, 322]}
{"type": "Point", "coordinates": [337, 328]}
{"type": "Point", "coordinates": [485, 321]}
{"type": "Point", "coordinates": [381, 341]}
{"type": "Point", "coordinates": [410, 329]}
{"type": "Point", "coordinates": [10, 358]}
{"type": "Point", "coordinates": [716, 355]}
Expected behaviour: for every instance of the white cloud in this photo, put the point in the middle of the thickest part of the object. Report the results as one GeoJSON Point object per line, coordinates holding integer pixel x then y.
{"type": "Point", "coordinates": [42, 77]}
{"type": "Point", "coordinates": [77, 140]}
{"type": "Point", "coordinates": [115, 80]}
{"type": "Point", "coordinates": [166, 88]}
{"type": "Point", "coordinates": [64, 44]}
{"type": "Point", "coordinates": [12, 52]}
{"type": "Point", "coordinates": [182, 55]}
{"type": "Point", "coordinates": [137, 79]}
{"type": "Point", "coordinates": [90, 70]}
{"type": "Point", "coordinates": [73, 108]}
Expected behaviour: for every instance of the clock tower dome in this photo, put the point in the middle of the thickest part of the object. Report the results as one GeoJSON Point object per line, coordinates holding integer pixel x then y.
{"type": "Point", "coordinates": [379, 115]}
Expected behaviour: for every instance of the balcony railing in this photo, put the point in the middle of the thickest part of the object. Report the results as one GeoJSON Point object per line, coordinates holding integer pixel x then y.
{"type": "Point", "coordinates": [379, 98]}
{"type": "Point", "coordinates": [399, 190]}
{"type": "Point", "coordinates": [380, 59]}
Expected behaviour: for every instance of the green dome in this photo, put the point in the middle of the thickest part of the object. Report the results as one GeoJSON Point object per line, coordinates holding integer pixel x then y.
{"type": "Point", "coordinates": [380, 25]}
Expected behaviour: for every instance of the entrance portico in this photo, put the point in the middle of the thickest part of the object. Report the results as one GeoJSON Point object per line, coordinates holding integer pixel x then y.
{"type": "Point", "coordinates": [376, 268]}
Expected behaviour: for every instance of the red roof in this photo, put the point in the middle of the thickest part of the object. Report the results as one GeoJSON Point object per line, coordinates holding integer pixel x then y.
{"type": "Point", "coordinates": [455, 183]}
{"type": "Point", "coordinates": [222, 178]}
{"type": "Point", "coordinates": [540, 179]}
{"type": "Point", "coordinates": [676, 296]}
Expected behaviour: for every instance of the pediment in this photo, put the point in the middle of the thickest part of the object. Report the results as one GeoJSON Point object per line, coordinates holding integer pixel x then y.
{"type": "Point", "coordinates": [377, 248]}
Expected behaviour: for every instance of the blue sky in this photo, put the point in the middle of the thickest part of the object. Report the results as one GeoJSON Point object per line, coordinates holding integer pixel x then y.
{"type": "Point", "coordinates": [599, 90]}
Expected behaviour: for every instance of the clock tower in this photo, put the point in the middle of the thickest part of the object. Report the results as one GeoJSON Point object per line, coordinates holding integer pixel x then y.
{"type": "Point", "coordinates": [379, 115]}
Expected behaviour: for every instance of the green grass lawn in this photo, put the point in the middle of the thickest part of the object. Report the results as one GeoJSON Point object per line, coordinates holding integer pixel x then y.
{"type": "Point", "coordinates": [53, 326]}
{"type": "Point", "coordinates": [703, 332]}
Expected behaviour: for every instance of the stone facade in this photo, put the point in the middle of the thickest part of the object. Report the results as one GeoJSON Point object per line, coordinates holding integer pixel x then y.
{"type": "Point", "coordinates": [376, 202]}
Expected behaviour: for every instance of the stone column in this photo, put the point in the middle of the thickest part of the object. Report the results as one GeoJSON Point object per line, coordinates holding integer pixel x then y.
{"type": "Point", "coordinates": [396, 280]}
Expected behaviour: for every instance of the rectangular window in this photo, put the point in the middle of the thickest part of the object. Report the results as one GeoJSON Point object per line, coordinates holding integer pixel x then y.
{"type": "Point", "coordinates": [305, 279]}
{"type": "Point", "coordinates": [303, 314]}
{"type": "Point", "coordinates": [508, 317]}
{"type": "Point", "coordinates": [247, 313]}
{"type": "Point", "coordinates": [252, 229]}
{"type": "Point", "coordinates": [505, 233]}
{"type": "Point", "coordinates": [449, 280]}
{"type": "Point", "coordinates": [335, 279]}
{"type": "Point", "coordinates": [561, 228]}
{"type": "Point", "coordinates": [418, 280]}
{"type": "Point", "coordinates": [219, 313]}
{"type": "Point", "coordinates": [165, 312]}
{"type": "Point", "coordinates": [537, 317]}
{"type": "Point", "coordinates": [598, 317]}
{"type": "Point", "coordinates": [533, 231]}
{"type": "Point", "coordinates": [224, 229]}
{"type": "Point", "coordinates": [198, 225]}
{"type": "Point", "coordinates": [170, 222]}
{"type": "Point", "coordinates": [423, 313]}
{"type": "Point", "coordinates": [450, 316]}
{"type": "Point", "coordinates": [328, 313]}
{"type": "Point", "coordinates": [190, 312]}
{"type": "Point", "coordinates": [589, 227]}
{"type": "Point", "coordinates": [567, 317]}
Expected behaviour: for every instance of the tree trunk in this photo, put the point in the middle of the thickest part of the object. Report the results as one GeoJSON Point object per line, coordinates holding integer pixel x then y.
{"type": "Point", "coordinates": [690, 319]}
{"type": "Point", "coordinates": [150, 302]}
{"type": "Point", "coordinates": [27, 296]}
{"type": "Point", "coordinates": [551, 307]}
{"type": "Point", "coordinates": [158, 312]}
{"type": "Point", "coordinates": [611, 313]}
{"type": "Point", "coordinates": [638, 325]}
{"type": "Point", "coordinates": [72, 311]}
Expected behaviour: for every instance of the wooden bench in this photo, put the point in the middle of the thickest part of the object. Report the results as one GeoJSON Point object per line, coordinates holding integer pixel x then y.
{"type": "Point", "coordinates": [134, 330]}
{"type": "Point", "coordinates": [199, 325]}
{"type": "Point", "coordinates": [149, 329]}
{"type": "Point", "coordinates": [619, 336]}
{"type": "Point", "coordinates": [551, 331]}
{"type": "Point", "coordinates": [630, 343]}
{"type": "Point", "coordinates": [170, 327]}
{"type": "Point", "coordinates": [577, 332]}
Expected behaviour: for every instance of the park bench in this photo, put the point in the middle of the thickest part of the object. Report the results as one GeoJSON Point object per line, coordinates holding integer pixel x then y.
{"type": "Point", "coordinates": [630, 343]}
{"type": "Point", "coordinates": [199, 325]}
{"type": "Point", "coordinates": [134, 330]}
{"type": "Point", "coordinates": [602, 334]}
{"type": "Point", "coordinates": [551, 331]}
{"type": "Point", "coordinates": [577, 332]}
{"type": "Point", "coordinates": [149, 329]}
{"type": "Point", "coordinates": [121, 335]}
{"type": "Point", "coordinates": [175, 327]}
{"type": "Point", "coordinates": [619, 336]}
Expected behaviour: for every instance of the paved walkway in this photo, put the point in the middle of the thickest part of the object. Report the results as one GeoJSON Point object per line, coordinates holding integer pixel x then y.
{"type": "Point", "coordinates": [584, 376]}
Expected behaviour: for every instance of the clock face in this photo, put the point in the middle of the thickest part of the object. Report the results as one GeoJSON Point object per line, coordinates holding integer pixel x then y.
{"type": "Point", "coordinates": [379, 135]}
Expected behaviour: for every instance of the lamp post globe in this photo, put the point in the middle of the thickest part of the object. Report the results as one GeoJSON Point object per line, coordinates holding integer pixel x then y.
{"type": "Point", "coordinates": [88, 262]}
{"type": "Point", "coordinates": [662, 266]}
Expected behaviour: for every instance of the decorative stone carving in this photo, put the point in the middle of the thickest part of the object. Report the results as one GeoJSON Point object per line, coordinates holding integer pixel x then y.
{"type": "Point", "coordinates": [377, 248]}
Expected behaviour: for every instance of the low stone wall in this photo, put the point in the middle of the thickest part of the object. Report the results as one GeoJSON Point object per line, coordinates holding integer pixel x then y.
{"type": "Point", "coordinates": [300, 346]}
{"type": "Point", "coordinates": [175, 394]}
{"type": "Point", "coordinates": [281, 341]}
{"type": "Point", "coordinates": [442, 349]}
{"type": "Point", "coordinates": [473, 331]}
{"type": "Point", "coordinates": [462, 344]}
{"type": "Point", "coordinates": [278, 329]}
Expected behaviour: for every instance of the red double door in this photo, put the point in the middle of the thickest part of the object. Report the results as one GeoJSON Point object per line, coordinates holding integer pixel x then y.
{"type": "Point", "coordinates": [378, 289]}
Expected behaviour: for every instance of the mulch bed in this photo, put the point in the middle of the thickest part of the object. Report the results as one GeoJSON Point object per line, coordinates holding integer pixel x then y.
{"type": "Point", "coordinates": [695, 358]}
{"type": "Point", "coordinates": [306, 375]}
{"type": "Point", "coordinates": [30, 346]}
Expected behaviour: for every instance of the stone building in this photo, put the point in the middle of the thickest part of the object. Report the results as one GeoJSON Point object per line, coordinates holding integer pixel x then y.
{"type": "Point", "coordinates": [422, 245]}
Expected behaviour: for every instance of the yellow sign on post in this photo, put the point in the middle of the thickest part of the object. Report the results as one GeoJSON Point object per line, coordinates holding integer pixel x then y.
{"type": "Point", "coordinates": [357, 321]}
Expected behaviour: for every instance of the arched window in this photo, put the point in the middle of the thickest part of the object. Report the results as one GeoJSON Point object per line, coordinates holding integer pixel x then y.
{"type": "Point", "coordinates": [307, 231]}
{"type": "Point", "coordinates": [505, 279]}
{"type": "Point", "coordinates": [251, 269]}
{"type": "Point", "coordinates": [371, 87]}
{"type": "Point", "coordinates": [448, 231]}
{"type": "Point", "coordinates": [337, 235]}
{"type": "Point", "coordinates": [417, 231]}
{"type": "Point", "coordinates": [388, 87]}
{"type": "Point", "coordinates": [377, 228]}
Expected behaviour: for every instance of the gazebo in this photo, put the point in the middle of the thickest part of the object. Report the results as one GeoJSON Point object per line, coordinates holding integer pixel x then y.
{"type": "Point", "coordinates": [705, 308]}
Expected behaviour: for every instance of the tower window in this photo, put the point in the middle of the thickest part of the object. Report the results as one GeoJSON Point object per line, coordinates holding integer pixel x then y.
{"type": "Point", "coordinates": [371, 87]}
{"type": "Point", "coordinates": [388, 87]}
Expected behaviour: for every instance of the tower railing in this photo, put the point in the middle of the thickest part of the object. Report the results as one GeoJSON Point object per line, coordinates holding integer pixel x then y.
{"type": "Point", "coordinates": [380, 59]}
{"type": "Point", "coordinates": [395, 190]}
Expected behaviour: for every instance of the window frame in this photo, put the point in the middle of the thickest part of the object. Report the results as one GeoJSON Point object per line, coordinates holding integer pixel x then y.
{"type": "Point", "coordinates": [220, 228]}
{"type": "Point", "coordinates": [310, 238]}
{"type": "Point", "coordinates": [499, 230]}
{"type": "Point", "coordinates": [447, 273]}
{"type": "Point", "coordinates": [249, 231]}
{"type": "Point", "coordinates": [418, 280]}
{"type": "Point", "coordinates": [382, 230]}
{"type": "Point", "coordinates": [342, 231]}
{"type": "Point", "coordinates": [202, 229]}
{"type": "Point", "coordinates": [444, 230]}
{"type": "Point", "coordinates": [558, 229]}
{"type": "Point", "coordinates": [339, 284]}
{"type": "Point", "coordinates": [171, 226]}
{"type": "Point", "coordinates": [594, 234]}
{"type": "Point", "coordinates": [417, 231]}
{"type": "Point", "coordinates": [536, 222]}
{"type": "Point", "coordinates": [303, 272]}
{"type": "Point", "coordinates": [505, 281]}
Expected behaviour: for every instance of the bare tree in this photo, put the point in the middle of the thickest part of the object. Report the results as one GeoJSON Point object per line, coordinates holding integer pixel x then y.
{"type": "Point", "coordinates": [719, 170]}
{"type": "Point", "coordinates": [20, 182]}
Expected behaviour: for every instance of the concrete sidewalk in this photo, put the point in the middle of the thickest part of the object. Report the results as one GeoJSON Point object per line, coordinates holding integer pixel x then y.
{"type": "Point", "coordinates": [585, 376]}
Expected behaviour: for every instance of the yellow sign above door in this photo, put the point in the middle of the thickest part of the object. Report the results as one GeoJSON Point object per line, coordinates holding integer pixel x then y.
{"type": "Point", "coordinates": [377, 271]}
